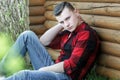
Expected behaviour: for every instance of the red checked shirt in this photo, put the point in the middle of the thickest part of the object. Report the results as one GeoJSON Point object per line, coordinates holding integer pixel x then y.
{"type": "Point", "coordinates": [78, 50]}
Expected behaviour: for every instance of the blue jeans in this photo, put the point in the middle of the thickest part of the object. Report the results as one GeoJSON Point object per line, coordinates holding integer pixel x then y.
{"type": "Point", "coordinates": [39, 57]}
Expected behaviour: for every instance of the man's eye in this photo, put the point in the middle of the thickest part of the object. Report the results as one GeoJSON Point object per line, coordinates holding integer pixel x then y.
{"type": "Point", "coordinates": [61, 22]}
{"type": "Point", "coordinates": [67, 18]}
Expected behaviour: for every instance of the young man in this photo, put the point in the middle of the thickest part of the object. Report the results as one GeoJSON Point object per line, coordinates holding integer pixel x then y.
{"type": "Point", "coordinates": [78, 42]}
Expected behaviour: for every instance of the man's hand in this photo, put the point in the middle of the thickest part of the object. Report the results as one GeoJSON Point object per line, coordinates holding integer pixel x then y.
{"type": "Point", "coordinates": [55, 68]}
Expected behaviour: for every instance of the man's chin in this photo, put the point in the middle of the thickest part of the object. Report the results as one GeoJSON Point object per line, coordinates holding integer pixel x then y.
{"type": "Point", "coordinates": [70, 30]}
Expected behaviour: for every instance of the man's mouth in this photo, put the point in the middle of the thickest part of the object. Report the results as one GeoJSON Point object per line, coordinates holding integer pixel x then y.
{"type": "Point", "coordinates": [69, 28]}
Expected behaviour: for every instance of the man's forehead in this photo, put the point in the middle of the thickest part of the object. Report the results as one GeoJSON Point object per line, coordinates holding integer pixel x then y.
{"type": "Point", "coordinates": [65, 13]}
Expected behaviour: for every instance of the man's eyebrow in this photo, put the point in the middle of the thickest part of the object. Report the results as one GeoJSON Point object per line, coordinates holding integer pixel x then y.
{"type": "Point", "coordinates": [67, 17]}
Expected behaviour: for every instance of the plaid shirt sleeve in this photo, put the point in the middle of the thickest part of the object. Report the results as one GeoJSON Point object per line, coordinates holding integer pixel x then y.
{"type": "Point", "coordinates": [79, 55]}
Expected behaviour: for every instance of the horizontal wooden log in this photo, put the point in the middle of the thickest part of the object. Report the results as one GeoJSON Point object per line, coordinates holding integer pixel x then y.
{"type": "Point", "coordinates": [37, 19]}
{"type": "Point", "coordinates": [50, 16]}
{"type": "Point", "coordinates": [103, 21]}
{"type": "Point", "coordinates": [36, 10]}
{"type": "Point", "coordinates": [109, 61]}
{"type": "Point", "coordinates": [38, 29]}
{"type": "Point", "coordinates": [108, 34]}
{"type": "Point", "coordinates": [94, 20]}
{"type": "Point", "coordinates": [54, 53]}
{"type": "Point", "coordinates": [107, 11]}
{"type": "Point", "coordinates": [36, 2]}
{"type": "Point", "coordinates": [108, 72]}
{"type": "Point", "coordinates": [49, 24]}
{"type": "Point", "coordinates": [105, 1]}
{"type": "Point", "coordinates": [110, 48]}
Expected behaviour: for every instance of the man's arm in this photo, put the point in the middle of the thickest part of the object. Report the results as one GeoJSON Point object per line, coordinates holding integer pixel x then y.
{"type": "Point", "coordinates": [59, 67]}
{"type": "Point", "coordinates": [49, 35]}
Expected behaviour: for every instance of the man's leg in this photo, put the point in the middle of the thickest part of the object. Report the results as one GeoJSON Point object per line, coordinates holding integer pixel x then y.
{"type": "Point", "coordinates": [28, 41]}
{"type": "Point", "coordinates": [38, 75]}
{"type": "Point", "coordinates": [37, 52]}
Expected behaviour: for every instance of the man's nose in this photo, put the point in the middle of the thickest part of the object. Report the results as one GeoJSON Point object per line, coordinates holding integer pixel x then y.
{"type": "Point", "coordinates": [66, 23]}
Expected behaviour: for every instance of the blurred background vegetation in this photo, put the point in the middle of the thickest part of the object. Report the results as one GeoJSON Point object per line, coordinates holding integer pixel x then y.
{"type": "Point", "coordinates": [14, 19]}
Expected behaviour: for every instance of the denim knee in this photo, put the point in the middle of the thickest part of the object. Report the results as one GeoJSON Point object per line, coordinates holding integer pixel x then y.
{"type": "Point", "coordinates": [28, 33]}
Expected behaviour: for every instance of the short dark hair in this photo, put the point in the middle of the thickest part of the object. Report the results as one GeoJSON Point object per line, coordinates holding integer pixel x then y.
{"type": "Point", "coordinates": [59, 8]}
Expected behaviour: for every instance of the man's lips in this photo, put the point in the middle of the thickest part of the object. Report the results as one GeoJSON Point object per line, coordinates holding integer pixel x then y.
{"type": "Point", "coordinates": [69, 28]}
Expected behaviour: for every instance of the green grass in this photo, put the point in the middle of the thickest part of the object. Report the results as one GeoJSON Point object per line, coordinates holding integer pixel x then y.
{"type": "Point", "coordinates": [92, 75]}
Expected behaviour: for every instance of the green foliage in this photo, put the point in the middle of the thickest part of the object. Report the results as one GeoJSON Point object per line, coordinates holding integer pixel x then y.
{"type": "Point", "coordinates": [5, 43]}
{"type": "Point", "coordinates": [12, 63]}
{"type": "Point", "coordinates": [15, 64]}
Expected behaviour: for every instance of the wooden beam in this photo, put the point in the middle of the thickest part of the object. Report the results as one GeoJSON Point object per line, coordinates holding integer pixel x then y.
{"type": "Point", "coordinates": [37, 20]}
{"type": "Point", "coordinates": [48, 24]}
{"type": "Point", "coordinates": [106, 11]}
{"type": "Point", "coordinates": [36, 10]}
{"type": "Point", "coordinates": [108, 34]}
{"type": "Point", "coordinates": [110, 48]}
{"type": "Point", "coordinates": [54, 53]}
{"type": "Point", "coordinates": [38, 29]}
{"type": "Point", "coordinates": [36, 2]}
{"type": "Point", "coordinates": [109, 72]}
{"type": "Point", "coordinates": [109, 61]}
{"type": "Point", "coordinates": [50, 16]}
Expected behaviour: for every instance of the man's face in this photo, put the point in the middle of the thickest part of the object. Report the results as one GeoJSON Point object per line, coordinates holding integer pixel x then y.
{"type": "Point", "coordinates": [68, 19]}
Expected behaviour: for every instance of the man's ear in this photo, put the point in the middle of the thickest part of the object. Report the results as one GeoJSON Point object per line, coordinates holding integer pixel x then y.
{"type": "Point", "coordinates": [76, 11]}
{"type": "Point", "coordinates": [78, 14]}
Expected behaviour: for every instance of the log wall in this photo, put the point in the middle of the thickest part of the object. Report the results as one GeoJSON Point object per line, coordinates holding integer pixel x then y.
{"type": "Point", "coordinates": [36, 16]}
{"type": "Point", "coordinates": [102, 15]}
